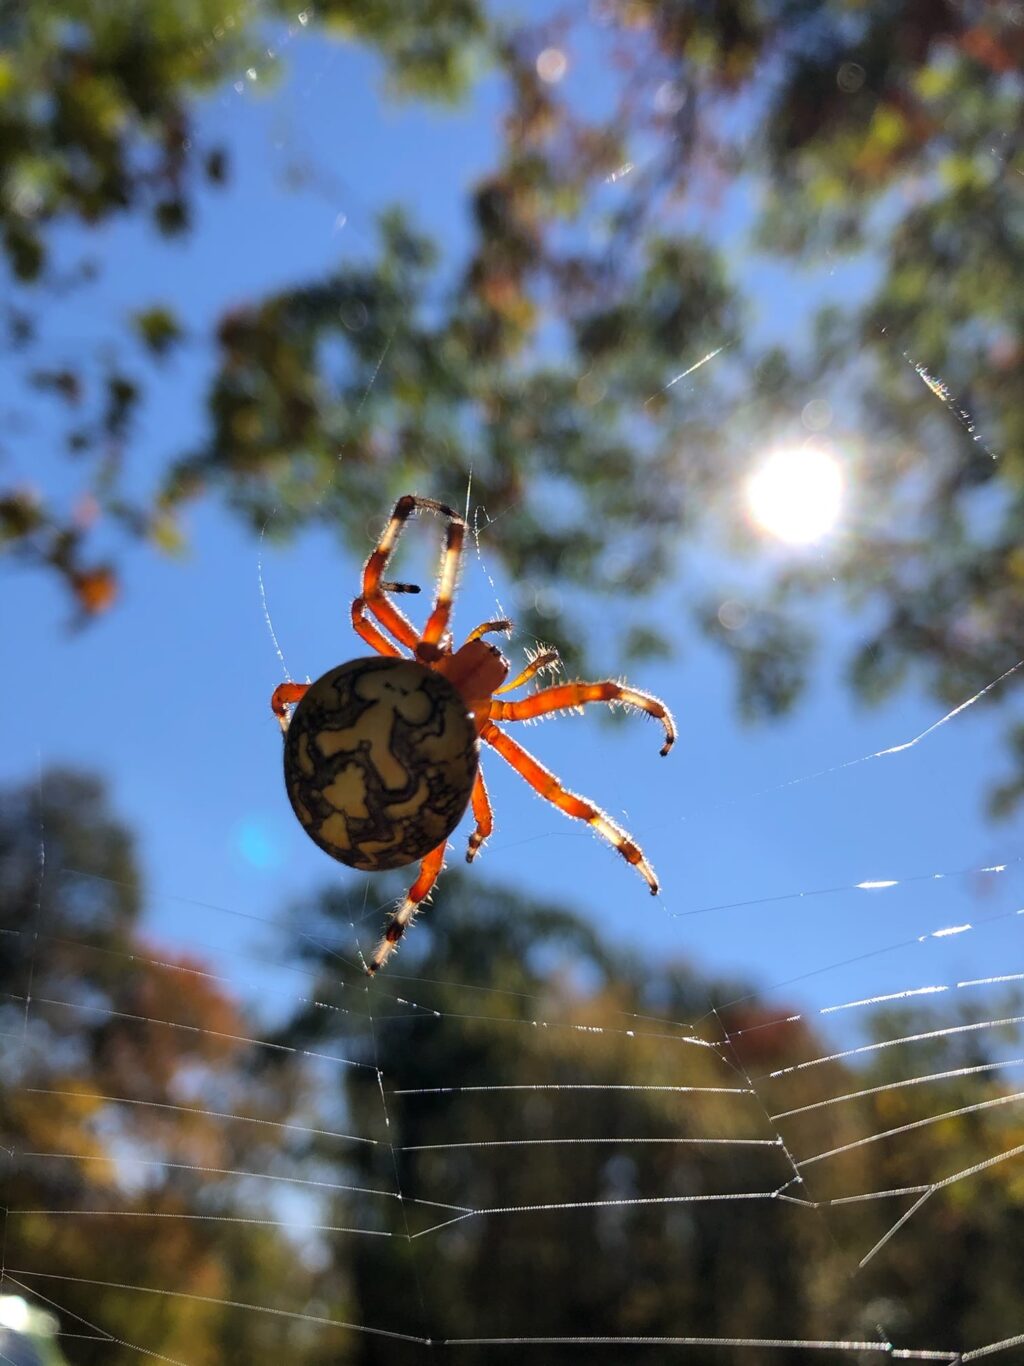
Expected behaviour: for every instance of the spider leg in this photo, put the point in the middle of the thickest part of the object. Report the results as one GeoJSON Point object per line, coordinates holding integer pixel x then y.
{"type": "Point", "coordinates": [488, 626]}
{"type": "Point", "coordinates": [285, 695]}
{"type": "Point", "coordinates": [545, 660]}
{"type": "Point", "coordinates": [483, 814]}
{"type": "Point", "coordinates": [564, 696]}
{"type": "Point", "coordinates": [437, 622]}
{"type": "Point", "coordinates": [544, 782]}
{"type": "Point", "coordinates": [430, 869]}
{"type": "Point", "coordinates": [374, 588]}
{"type": "Point", "coordinates": [363, 626]}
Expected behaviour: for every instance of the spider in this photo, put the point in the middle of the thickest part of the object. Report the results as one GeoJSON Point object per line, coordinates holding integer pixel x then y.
{"type": "Point", "coordinates": [381, 754]}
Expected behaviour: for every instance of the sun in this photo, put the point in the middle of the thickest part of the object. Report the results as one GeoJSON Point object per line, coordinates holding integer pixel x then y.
{"type": "Point", "coordinates": [796, 493]}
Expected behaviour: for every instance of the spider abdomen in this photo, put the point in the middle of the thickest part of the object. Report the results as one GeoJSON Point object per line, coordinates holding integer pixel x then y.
{"type": "Point", "coordinates": [379, 761]}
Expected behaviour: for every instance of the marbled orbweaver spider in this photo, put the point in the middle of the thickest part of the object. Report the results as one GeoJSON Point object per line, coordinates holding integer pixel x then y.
{"type": "Point", "coordinates": [381, 754]}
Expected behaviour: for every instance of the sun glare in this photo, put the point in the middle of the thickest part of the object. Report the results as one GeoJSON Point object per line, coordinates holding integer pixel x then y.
{"type": "Point", "coordinates": [796, 493]}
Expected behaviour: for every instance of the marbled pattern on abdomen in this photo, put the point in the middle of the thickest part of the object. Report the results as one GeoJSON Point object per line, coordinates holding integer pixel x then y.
{"type": "Point", "coordinates": [379, 761]}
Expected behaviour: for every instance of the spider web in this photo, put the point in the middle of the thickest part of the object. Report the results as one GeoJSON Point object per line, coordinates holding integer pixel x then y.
{"type": "Point", "coordinates": [778, 1111]}
{"type": "Point", "coordinates": [710, 1066]}
{"type": "Point", "coordinates": [904, 992]}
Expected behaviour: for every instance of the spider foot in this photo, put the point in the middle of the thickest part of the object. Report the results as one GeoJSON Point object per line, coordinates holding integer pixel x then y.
{"type": "Point", "coordinates": [401, 918]}
{"type": "Point", "coordinates": [648, 874]}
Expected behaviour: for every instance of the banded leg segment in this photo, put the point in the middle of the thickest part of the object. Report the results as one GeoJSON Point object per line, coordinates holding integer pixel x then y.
{"type": "Point", "coordinates": [544, 782]}
{"type": "Point", "coordinates": [430, 871]}
{"type": "Point", "coordinates": [284, 696]}
{"type": "Point", "coordinates": [483, 814]}
{"type": "Point", "coordinates": [565, 696]}
{"type": "Point", "coordinates": [437, 622]}
{"type": "Point", "coordinates": [373, 586]}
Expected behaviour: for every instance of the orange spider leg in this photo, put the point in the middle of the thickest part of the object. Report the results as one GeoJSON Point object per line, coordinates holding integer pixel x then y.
{"type": "Point", "coordinates": [566, 695]}
{"type": "Point", "coordinates": [373, 588]}
{"type": "Point", "coordinates": [285, 695]}
{"type": "Point", "coordinates": [364, 627]}
{"type": "Point", "coordinates": [430, 870]}
{"type": "Point", "coordinates": [542, 661]}
{"type": "Point", "coordinates": [437, 622]}
{"type": "Point", "coordinates": [544, 782]}
{"type": "Point", "coordinates": [486, 627]}
{"type": "Point", "coordinates": [483, 814]}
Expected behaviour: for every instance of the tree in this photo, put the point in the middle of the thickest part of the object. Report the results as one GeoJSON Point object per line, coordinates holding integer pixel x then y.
{"type": "Point", "coordinates": [121, 1166]}
{"type": "Point", "coordinates": [517, 1131]}
{"type": "Point", "coordinates": [497, 1048]}
{"type": "Point", "coordinates": [886, 134]}
{"type": "Point", "coordinates": [97, 121]}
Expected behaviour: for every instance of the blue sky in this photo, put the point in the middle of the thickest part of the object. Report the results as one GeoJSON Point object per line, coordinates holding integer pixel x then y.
{"type": "Point", "coordinates": [168, 696]}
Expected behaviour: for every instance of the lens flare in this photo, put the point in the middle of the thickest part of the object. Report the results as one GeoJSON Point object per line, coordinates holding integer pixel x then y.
{"type": "Point", "coordinates": [796, 494]}
{"type": "Point", "coordinates": [254, 839]}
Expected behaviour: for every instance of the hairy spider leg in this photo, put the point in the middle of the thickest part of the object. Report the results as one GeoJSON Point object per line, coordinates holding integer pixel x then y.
{"type": "Point", "coordinates": [437, 622]}
{"type": "Point", "coordinates": [483, 814]}
{"type": "Point", "coordinates": [284, 696]}
{"type": "Point", "coordinates": [374, 589]}
{"type": "Point", "coordinates": [544, 782]}
{"type": "Point", "coordinates": [542, 661]}
{"type": "Point", "coordinates": [564, 696]}
{"type": "Point", "coordinates": [487, 627]}
{"type": "Point", "coordinates": [430, 871]}
{"type": "Point", "coordinates": [363, 626]}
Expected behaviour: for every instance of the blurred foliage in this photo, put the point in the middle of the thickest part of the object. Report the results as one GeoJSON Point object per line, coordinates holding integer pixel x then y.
{"type": "Point", "coordinates": [120, 1063]}
{"type": "Point", "coordinates": [507, 1035]}
{"type": "Point", "coordinates": [883, 135]}
{"type": "Point", "coordinates": [516, 1130]}
{"type": "Point", "coordinates": [96, 100]}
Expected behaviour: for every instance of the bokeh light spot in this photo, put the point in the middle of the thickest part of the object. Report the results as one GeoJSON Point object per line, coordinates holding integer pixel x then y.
{"type": "Point", "coordinates": [732, 615]}
{"type": "Point", "coordinates": [850, 77]}
{"type": "Point", "coordinates": [669, 98]}
{"type": "Point", "coordinates": [552, 65]}
{"type": "Point", "coordinates": [14, 1313]}
{"type": "Point", "coordinates": [817, 415]}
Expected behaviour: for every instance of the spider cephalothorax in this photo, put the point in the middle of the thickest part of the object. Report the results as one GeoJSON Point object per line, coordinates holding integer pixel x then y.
{"type": "Point", "coordinates": [381, 754]}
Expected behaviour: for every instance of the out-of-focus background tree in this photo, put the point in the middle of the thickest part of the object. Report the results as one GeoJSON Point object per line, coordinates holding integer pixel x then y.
{"type": "Point", "coordinates": [145, 1127]}
{"type": "Point", "coordinates": [884, 134]}
{"type": "Point", "coordinates": [471, 1156]}
{"type": "Point", "coordinates": [122, 1159]}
